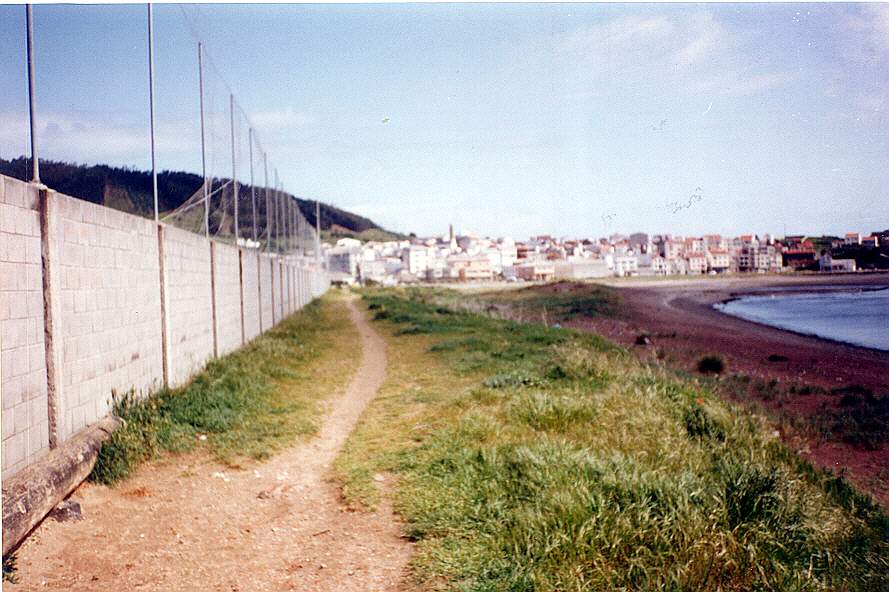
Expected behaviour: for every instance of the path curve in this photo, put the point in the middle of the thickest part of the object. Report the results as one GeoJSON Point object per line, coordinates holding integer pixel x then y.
{"type": "Point", "coordinates": [197, 526]}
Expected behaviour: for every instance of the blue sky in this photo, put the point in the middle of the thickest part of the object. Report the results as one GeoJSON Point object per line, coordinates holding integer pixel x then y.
{"type": "Point", "coordinates": [503, 119]}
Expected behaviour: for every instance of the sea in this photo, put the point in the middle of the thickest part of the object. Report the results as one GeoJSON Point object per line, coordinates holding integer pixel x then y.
{"type": "Point", "coordinates": [856, 316]}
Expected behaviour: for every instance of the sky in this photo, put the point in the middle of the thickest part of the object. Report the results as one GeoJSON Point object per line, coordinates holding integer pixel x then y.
{"type": "Point", "coordinates": [501, 119]}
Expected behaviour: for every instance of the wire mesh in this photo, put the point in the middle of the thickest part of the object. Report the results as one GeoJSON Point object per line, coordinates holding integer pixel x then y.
{"type": "Point", "coordinates": [214, 174]}
{"type": "Point", "coordinates": [91, 122]}
{"type": "Point", "coordinates": [14, 149]}
{"type": "Point", "coordinates": [241, 167]}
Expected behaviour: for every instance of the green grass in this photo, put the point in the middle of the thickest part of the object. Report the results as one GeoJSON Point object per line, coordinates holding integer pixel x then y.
{"type": "Point", "coordinates": [370, 234]}
{"type": "Point", "coordinates": [551, 303]}
{"type": "Point", "coordinates": [245, 405]}
{"type": "Point", "coordinates": [532, 458]}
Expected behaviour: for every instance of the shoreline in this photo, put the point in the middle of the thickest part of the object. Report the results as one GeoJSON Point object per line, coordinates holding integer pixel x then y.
{"type": "Point", "coordinates": [763, 294]}
{"type": "Point", "coordinates": [693, 302]}
{"type": "Point", "coordinates": [683, 326]}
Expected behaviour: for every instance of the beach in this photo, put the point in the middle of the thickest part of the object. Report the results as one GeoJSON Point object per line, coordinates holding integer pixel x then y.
{"type": "Point", "coordinates": [680, 315]}
{"type": "Point", "coordinates": [682, 325]}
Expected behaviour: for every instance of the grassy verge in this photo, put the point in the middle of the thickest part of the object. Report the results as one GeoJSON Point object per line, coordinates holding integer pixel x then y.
{"type": "Point", "coordinates": [245, 405]}
{"type": "Point", "coordinates": [549, 304]}
{"type": "Point", "coordinates": [531, 458]}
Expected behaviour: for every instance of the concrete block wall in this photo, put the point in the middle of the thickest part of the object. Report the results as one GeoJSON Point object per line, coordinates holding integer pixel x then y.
{"type": "Point", "coordinates": [227, 291]}
{"type": "Point", "coordinates": [189, 311]}
{"type": "Point", "coordinates": [280, 292]}
{"type": "Point", "coordinates": [265, 286]}
{"type": "Point", "coordinates": [250, 271]}
{"type": "Point", "coordinates": [288, 287]}
{"type": "Point", "coordinates": [25, 424]}
{"type": "Point", "coordinates": [300, 288]}
{"type": "Point", "coordinates": [92, 301]}
{"type": "Point", "coordinates": [107, 283]}
{"type": "Point", "coordinates": [294, 303]}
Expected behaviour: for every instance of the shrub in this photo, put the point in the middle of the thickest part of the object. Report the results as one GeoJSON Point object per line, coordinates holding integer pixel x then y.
{"type": "Point", "coordinates": [711, 365]}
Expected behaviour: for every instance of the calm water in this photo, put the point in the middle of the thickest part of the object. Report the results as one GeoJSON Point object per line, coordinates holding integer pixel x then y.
{"type": "Point", "coordinates": [858, 317]}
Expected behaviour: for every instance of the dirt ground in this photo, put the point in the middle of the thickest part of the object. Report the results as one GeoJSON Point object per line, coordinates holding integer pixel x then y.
{"type": "Point", "coordinates": [188, 523]}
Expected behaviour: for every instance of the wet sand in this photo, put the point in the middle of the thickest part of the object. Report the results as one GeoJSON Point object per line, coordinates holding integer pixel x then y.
{"type": "Point", "coordinates": [681, 313]}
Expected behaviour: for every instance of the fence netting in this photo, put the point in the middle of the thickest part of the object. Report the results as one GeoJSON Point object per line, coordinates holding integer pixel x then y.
{"type": "Point", "coordinates": [215, 176]}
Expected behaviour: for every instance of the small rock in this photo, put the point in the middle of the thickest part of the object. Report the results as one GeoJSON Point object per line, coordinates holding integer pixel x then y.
{"type": "Point", "coordinates": [67, 510]}
{"type": "Point", "coordinates": [322, 566]}
{"type": "Point", "coordinates": [379, 478]}
{"type": "Point", "coordinates": [274, 492]}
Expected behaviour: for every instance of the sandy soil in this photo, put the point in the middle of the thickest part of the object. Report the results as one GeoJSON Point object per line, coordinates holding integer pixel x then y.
{"type": "Point", "coordinates": [190, 524]}
{"type": "Point", "coordinates": [680, 320]}
{"type": "Point", "coordinates": [681, 313]}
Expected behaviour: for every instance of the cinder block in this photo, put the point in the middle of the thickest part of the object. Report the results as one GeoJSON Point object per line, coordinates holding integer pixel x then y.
{"type": "Point", "coordinates": [15, 193]}
{"type": "Point", "coordinates": [36, 443]}
{"type": "Point", "coordinates": [8, 424]}
{"type": "Point", "coordinates": [15, 448]}
{"type": "Point", "coordinates": [12, 391]}
{"type": "Point", "coordinates": [18, 362]}
{"type": "Point", "coordinates": [36, 357]}
{"type": "Point", "coordinates": [8, 216]}
{"type": "Point", "coordinates": [21, 417]}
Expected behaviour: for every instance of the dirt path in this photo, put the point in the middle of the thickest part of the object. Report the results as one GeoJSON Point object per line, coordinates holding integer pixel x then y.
{"type": "Point", "coordinates": [191, 524]}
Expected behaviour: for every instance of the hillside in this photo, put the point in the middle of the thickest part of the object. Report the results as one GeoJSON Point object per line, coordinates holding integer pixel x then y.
{"type": "Point", "coordinates": [130, 190]}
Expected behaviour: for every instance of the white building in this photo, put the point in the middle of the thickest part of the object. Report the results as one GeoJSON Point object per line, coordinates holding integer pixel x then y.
{"type": "Point", "coordinates": [624, 265]}
{"type": "Point", "coordinates": [416, 259]}
{"type": "Point", "coordinates": [581, 269]}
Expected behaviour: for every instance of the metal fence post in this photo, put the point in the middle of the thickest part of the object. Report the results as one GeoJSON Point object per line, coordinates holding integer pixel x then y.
{"type": "Point", "coordinates": [317, 236]}
{"type": "Point", "coordinates": [268, 231]}
{"type": "Point", "coordinates": [231, 108]}
{"type": "Point", "coordinates": [151, 108]}
{"type": "Point", "coordinates": [32, 100]}
{"type": "Point", "coordinates": [203, 140]}
{"type": "Point", "coordinates": [277, 222]}
{"type": "Point", "coordinates": [288, 225]}
{"type": "Point", "coordinates": [252, 185]}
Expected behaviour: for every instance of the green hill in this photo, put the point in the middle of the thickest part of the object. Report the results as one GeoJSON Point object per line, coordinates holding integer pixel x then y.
{"type": "Point", "coordinates": [129, 190]}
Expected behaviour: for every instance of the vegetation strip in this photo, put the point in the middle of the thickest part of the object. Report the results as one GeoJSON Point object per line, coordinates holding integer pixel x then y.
{"type": "Point", "coordinates": [245, 405]}
{"type": "Point", "coordinates": [534, 458]}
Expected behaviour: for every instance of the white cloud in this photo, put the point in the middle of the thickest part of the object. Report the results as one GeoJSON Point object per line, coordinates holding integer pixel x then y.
{"type": "Point", "coordinates": [704, 38]}
{"type": "Point", "coordinates": [282, 118]}
{"type": "Point", "coordinates": [696, 52]}
{"type": "Point", "coordinates": [741, 85]}
{"type": "Point", "coordinates": [871, 26]}
{"type": "Point", "coordinates": [611, 46]}
{"type": "Point", "coordinates": [86, 139]}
